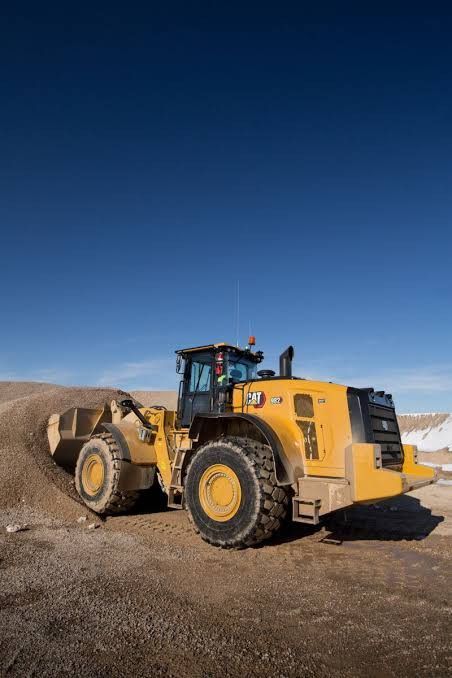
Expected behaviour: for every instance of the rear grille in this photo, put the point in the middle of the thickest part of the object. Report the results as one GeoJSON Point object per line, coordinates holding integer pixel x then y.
{"type": "Point", "coordinates": [373, 420]}
{"type": "Point", "coordinates": [385, 431]}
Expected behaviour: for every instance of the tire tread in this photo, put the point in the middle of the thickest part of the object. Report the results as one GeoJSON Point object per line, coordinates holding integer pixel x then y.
{"type": "Point", "coordinates": [273, 500]}
{"type": "Point", "coordinates": [118, 501]}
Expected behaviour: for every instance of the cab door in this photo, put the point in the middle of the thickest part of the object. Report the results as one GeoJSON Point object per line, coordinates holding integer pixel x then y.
{"type": "Point", "coordinates": [197, 392]}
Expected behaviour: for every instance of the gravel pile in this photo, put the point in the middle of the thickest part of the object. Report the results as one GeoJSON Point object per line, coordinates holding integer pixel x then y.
{"type": "Point", "coordinates": [12, 390]}
{"type": "Point", "coordinates": [28, 474]}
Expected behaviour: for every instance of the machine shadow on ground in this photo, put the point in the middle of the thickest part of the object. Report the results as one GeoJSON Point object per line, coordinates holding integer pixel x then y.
{"type": "Point", "coordinates": [403, 518]}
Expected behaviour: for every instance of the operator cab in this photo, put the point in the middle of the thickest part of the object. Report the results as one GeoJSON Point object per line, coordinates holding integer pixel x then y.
{"type": "Point", "coordinates": [208, 376]}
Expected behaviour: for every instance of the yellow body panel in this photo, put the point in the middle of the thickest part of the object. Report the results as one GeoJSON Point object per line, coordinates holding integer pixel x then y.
{"type": "Point", "coordinates": [143, 454]}
{"type": "Point", "coordinates": [163, 422]}
{"type": "Point", "coordinates": [330, 421]}
{"type": "Point", "coordinates": [156, 451]}
{"type": "Point", "coordinates": [411, 467]}
{"type": "Point", "coordinates": [318, 442]}
{"type": "Point", "coordinates": [368, 482]}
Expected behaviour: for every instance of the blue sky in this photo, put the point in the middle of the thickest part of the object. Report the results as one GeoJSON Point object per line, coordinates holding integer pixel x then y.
{"type": "Point", "coordinates": [151, 157]}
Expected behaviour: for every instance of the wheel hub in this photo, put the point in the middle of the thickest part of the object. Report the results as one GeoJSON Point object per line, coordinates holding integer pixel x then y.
{"type": "Point", "coordinates": [220, 492]}
{"type": "Point", "coordinates": [93, 474]}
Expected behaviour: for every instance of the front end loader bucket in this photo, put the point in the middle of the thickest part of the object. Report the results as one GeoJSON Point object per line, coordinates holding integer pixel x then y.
{"type": "Point", "coordinates": [68, 432]}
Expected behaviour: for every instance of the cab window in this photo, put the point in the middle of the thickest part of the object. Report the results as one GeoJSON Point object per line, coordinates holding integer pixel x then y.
{"type": "Point", "coordinates": [200, 376]}
{"type": "Point", "coordinates": [240, 370]}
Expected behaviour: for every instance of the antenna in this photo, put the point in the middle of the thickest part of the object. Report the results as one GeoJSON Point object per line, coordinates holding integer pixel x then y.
{"type": "Point", "coordinates": [237, 313]}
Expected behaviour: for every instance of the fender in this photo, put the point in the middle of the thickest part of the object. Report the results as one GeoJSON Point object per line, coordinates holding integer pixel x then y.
{"type": "Point", "coordinates": [283, 469]}
{"type": "Point", "coordinates": [120, 440]}
{"type": "Point", "coordinates": [132, 476]}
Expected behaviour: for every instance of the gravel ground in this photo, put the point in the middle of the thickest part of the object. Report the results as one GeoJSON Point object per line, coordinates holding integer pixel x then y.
{"type": "Point", "coordinates": [365, 595]}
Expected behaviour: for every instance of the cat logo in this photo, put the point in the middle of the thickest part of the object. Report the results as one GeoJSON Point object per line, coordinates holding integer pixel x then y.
{"type": "Point", "coordinates": [256, 398]}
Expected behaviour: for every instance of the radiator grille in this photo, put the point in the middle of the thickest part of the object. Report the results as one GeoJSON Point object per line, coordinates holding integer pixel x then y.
{"type": "Point", "coordinates": [385, 432]}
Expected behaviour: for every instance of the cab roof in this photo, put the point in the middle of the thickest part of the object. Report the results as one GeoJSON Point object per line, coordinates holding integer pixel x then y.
{"type": "Point", "coordinates": [212, 347]}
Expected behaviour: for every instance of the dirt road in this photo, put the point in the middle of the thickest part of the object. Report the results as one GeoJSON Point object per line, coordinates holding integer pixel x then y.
{"type": "Point", "coordinates": [141, 595]}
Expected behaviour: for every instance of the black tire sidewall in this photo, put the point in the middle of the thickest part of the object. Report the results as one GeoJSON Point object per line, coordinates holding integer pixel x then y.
{"type": "Point", "coordinates": [98, 500]}
{"type": "Point", "coordinates": [244, 521]}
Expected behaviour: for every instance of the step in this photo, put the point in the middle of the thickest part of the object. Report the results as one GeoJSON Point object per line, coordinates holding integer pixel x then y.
{"type": "Point", "coordinates": [306, 510]}
{"type": "Point", "coordinates": [176, 497]}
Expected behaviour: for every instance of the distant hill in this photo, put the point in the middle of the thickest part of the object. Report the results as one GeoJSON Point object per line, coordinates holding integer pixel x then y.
{"type": "Point", "coordinates": [430, 431]}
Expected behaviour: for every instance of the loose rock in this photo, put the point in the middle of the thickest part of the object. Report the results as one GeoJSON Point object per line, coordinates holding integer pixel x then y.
{"type": "Point", "coordinates": [15, 528]}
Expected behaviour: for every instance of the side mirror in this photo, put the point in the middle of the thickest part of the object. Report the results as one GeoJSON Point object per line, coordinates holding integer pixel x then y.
{"type": "Point", "coordinates": [180, 365]}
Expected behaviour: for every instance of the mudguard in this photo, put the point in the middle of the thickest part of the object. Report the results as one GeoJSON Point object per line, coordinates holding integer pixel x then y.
{"type": "Point", "coordinates": [132, 477]}
{"type": "Point", "coordinates": [283, 469]}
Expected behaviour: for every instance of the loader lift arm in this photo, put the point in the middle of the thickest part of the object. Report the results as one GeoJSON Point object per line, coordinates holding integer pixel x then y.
{"type": "Point", "coordinates": [128, 404]}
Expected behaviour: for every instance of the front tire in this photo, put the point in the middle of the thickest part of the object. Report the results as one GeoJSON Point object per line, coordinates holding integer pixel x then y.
{"type": "Point", "coordinates": [97, 477]}
{"type": "Point", "coordinates": [231, 494]}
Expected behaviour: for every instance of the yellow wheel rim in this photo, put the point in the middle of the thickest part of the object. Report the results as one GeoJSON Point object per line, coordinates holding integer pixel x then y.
{"type": "Point", "coordinates": [220, 493]}
{"type": "Point", "coordinates": [93, 474]}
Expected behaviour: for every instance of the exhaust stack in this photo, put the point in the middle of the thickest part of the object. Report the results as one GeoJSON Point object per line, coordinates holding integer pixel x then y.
{"type": "Point", "coordinates": [285, 362]}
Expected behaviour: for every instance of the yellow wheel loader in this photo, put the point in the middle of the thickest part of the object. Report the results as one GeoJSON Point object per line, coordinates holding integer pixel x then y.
{"type": "Point", "coordinates": [245, 447]}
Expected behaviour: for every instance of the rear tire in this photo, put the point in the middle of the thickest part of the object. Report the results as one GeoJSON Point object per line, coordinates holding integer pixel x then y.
{"type": "Point", "coordinates": [231, 494]}
{"type": "Point", "coordinates": [97, 475]}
